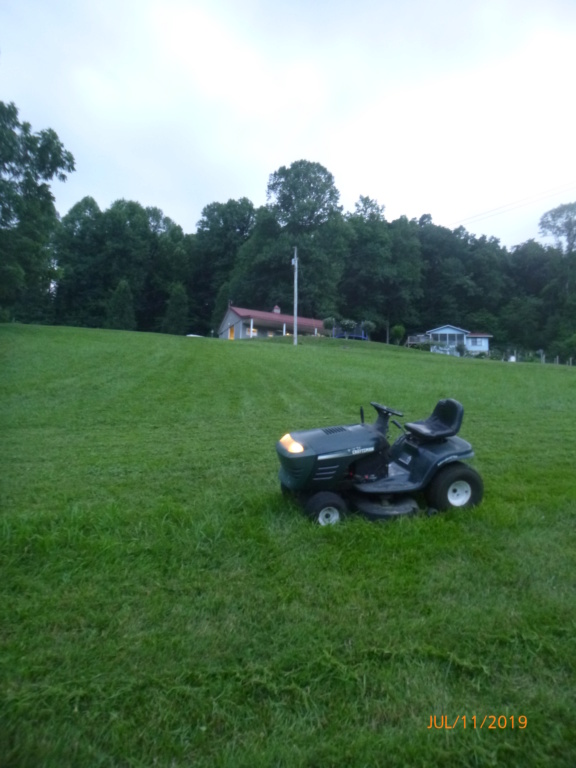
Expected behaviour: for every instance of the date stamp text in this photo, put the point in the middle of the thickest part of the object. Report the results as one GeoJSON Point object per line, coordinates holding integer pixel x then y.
{"type": "Point", "coordinates": [489, 722]}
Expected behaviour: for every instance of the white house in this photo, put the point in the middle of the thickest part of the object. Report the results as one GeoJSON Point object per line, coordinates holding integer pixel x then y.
{"type": "Point", "coordinates": [240, 323]}
{"type": "Point", "coordinates": [477, 343]}
{"type": "Point", "coordinates": [448, 338]}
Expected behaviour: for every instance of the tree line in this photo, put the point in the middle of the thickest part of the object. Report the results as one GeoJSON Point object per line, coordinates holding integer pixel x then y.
{"type": "Point", "coordinates": [131, 267]}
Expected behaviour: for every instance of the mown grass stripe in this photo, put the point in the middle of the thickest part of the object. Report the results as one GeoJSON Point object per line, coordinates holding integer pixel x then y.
{"type": "Point", "coordinates": [163, 604]}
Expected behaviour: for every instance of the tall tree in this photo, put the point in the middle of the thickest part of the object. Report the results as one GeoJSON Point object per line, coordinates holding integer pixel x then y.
{"type": "Point", "coordinates": [368, 271]}
{"type": "Point", "coordinates": [176, 319]}
{"type": "Point", "coordinates": [78, 245]}
{"type": "Point", "coordinates": [559, 294]}
{"type": "Point", "coordinates": [169, 260]}
{"type": "Point", "coordinates": [303, 213]}
{"type": "Point", "coordinates": [121, 308]}
{"type": "Point", "coordinates": [263, 275]}
{"type": "Point", "coordinates": [302, 196]}
{"type": "Point", "coordinates": [560, 223]}
{"type": "Point", "coordinates": [128, 240]}
{"type": "Point", "coordinates": [28, 162]}
{"type": "Point", "coordinates": [446, 285]}
{"type": "Point", "coordinates": [486, 263]}
{"type": "Point", "coordinates": [321, 258]}
{"type": "Point", "coordinates": [522, 322]}
{"type": "Point", "coordinates": [404, 286]}
{"type": "Point", "coordinates": [222, 231]}
{"type": "Point", "coordinates": [304, 202]}
{"type": "Point", "coordinates": [530, 268]}
{"type": "Point", "coordinates": [97, 250]}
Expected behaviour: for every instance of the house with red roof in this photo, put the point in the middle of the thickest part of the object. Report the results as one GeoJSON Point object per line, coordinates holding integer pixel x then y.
{"type": "Point", "coordinates": [240, 323]}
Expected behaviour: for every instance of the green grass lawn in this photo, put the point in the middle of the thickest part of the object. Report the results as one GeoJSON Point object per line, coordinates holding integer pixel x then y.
{"type": "Point", "coordinates": [163, 605]}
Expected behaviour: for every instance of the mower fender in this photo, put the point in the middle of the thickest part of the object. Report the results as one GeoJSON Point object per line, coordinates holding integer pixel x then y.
{"type": "Point", "coordinates": [422, 461]}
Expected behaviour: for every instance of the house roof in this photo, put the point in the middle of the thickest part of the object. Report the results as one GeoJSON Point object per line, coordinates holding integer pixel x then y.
{"type": "Point", "coordinates": [446, 327]}
{"type": "Point", "coordinates": [276, 319]}
{"type": "Point", "coordinates": [471, 335]}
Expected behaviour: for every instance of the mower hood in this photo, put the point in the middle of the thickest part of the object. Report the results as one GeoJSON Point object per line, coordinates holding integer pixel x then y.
{"type": "Point", "coordinates": [323, 455]}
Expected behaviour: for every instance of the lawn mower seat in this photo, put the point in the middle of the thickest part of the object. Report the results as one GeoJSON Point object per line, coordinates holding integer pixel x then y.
{"type": "Point", "coordinates": [444, 422]}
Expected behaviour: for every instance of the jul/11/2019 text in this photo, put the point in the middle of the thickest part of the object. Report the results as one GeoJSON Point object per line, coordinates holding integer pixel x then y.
{"type": "Point", "coordinates": [491, 722]}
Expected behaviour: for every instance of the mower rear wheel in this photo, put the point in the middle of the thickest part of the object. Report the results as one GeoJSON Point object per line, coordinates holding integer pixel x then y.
{"type": "Point", "coordinates": [326, 508]}
{"type": "Point", "coordinates": [455, 486]}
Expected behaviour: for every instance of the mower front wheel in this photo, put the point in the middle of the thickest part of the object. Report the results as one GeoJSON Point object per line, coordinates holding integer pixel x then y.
{"type": "Point", "coordinates": [326, 508]}
{"type": "Point", "coordinates": [455, 486]}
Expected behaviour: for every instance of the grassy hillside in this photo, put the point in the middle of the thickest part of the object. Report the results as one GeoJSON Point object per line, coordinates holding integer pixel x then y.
{"type": "Point", "coordinates": [163, 605]}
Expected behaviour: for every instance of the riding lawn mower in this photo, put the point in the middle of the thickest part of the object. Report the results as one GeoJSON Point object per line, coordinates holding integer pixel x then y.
{"type": "Point", "coordinates": [331, 471]}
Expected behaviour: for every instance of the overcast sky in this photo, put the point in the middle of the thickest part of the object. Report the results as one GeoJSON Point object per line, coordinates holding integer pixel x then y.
{"type": "Point", "coordinates": [463, 109]}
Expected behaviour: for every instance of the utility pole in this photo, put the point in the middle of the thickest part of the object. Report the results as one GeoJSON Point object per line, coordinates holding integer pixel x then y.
{"type": "Point", "coordinates": [295, 265]}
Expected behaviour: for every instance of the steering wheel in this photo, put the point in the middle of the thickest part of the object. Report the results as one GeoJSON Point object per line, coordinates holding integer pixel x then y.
{"type": "Point", "coordinates": [385, 411]}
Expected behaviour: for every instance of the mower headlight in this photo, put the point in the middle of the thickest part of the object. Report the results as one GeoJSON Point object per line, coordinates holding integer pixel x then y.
{"type": "Point", "coordinates": [291, 445]}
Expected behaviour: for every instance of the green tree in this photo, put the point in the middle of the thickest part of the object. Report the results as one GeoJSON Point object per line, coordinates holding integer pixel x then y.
{"type": "Point", "coordinates": [263, 275]}
{"type": "Point", "coordinates": [176, 318]}
{"type": "Point", "coordinates": [484, 321]}
{"type": "Point", "coordinates": [522, 322]}
{"type": "Point", "coordinates": [222, 231]}
{"type": "Point", "coordinates": [28, 162]}
{"type": "Point", "coordinates": [397, 333]}
{"type": "Point", "coordinates": [302, 213]}
{"type": "Point", "coordinates": [78, 249]}
{"type": "Point", "coordinates": [368, 272]}
{"type": "Point", "coordinates": [329, 323]}
{"type": "Point", "coordinates": [95, 250]}
{"type": "Point", "coordinates": [120, 314]}
{"type": "Point", "coordinates": [530, 268]}
{"type": "Point", "coordinates": [560, 223]}
{"type": "Point", "coordinates": [487, 286]}
{"type": "Point", "coordinates": [368, 327]}
{"type": "Point", "coordinates": [565, 349]}
{"type": "Point", "coordinates": [404, 283]}
{"type": "Point", "coordinates": [169, 259]}
{"type": "Point", "coordinates": [321, 258]}
{"type": "Point", "coordinates": [446, 285]}
{"type": "Point", "coordinates": [347, 326]}
{"type": "Point", "coordinates": [303, 196]}
{"type": "Point", "coordinates": [128, 242]}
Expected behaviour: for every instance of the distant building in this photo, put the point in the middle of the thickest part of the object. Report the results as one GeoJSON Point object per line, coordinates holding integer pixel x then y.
{"type": "Point", "coordinates": [446, 340]}
{"type": "Point", "coordinates": [240, 323]}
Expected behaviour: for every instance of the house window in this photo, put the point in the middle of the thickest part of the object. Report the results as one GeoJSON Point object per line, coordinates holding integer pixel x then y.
{"type": "Point", "coordinates": [475, 342]}
{"type": "Point", "coordinates": [448, 338]}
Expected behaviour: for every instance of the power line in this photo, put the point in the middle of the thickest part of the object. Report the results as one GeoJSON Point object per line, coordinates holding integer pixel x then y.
{"type": "Point", "coordinates": [514, 205]}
